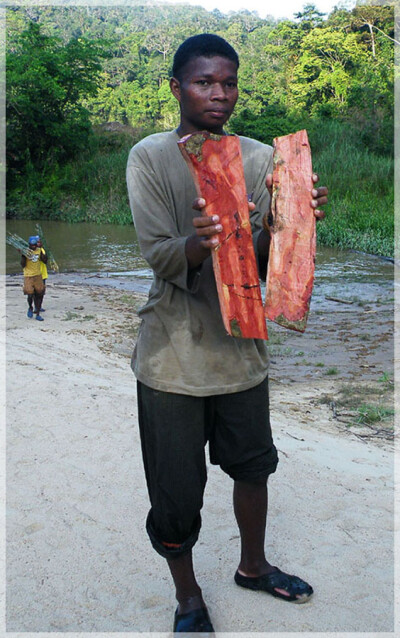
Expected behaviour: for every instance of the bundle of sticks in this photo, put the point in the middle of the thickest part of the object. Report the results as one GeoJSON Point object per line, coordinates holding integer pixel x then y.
{"type": "Point", "coordinates": [23, 247]}
{"type": "Point", "coordinates": [50, 257]}
{"type": "Point", "coordinates": [20, 244]}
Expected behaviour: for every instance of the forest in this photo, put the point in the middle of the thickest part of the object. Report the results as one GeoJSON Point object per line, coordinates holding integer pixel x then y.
{"type": "Point", "coordinates": [85, 83]}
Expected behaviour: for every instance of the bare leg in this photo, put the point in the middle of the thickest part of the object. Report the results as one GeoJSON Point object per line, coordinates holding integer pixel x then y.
{"type": "Point", "coordinates": [38, 302]}
{"type": "Point", "coordinates": [250, 502]}
{"type": "Point", "coordinates": [188, 592]}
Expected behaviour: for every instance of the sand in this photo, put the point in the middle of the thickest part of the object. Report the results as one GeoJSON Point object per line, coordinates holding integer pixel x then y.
{"type": "Point", "coordinates": [78, 558]}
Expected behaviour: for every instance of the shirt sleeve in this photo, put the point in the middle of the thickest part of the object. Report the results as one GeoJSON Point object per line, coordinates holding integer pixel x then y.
{"type": "Point", "coordinates": [154, 217]}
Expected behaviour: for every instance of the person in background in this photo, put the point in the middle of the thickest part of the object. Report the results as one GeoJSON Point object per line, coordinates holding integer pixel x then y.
{"type": "Point", "coordinates": [43, 267]}
{"type": "Point", "coordinates": [33, 281]}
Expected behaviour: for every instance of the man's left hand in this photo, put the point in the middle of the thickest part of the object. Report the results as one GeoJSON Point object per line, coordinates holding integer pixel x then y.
{"type": "Point", "coordinates": [319, 196]}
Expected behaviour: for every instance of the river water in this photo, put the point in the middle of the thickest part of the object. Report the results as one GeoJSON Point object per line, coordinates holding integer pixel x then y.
{"type": "Point", "coordinates": [81, 247]}
{"type": "Point", "coordinates": [112, 251]}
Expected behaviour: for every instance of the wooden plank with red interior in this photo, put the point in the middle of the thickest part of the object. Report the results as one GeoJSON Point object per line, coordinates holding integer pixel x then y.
{"type": "Point", "coordinates": [291, 260]}
{"type": "Point", "coordinates": [215, 162]}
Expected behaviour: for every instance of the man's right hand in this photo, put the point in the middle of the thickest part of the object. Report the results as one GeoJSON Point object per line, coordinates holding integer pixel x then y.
{"type": "Point", "coordinates": [205, 238]}
{"type": "Point", "coordinates": [207, 228]}
{"type": "Point", "coordinates": [199, 245]}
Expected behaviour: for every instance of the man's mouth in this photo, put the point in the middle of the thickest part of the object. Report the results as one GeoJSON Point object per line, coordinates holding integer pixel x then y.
{"type": "Point", "coordinates": [217, 112]}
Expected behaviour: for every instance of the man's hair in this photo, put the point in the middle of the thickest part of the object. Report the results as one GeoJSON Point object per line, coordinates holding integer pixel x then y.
{"type": "Point", "coordinates": [205, 44]}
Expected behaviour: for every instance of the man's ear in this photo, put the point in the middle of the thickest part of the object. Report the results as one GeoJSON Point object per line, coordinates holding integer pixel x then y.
{"type": "Point", "coordinates": [175, 87]}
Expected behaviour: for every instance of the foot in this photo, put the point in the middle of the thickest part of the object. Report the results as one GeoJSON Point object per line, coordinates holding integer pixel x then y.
{"type": "Point", "coordinates": [39, 318]}
{"type": "Point", "coordinates": [278, 584]}
{"type": "Point", "coordinates": [30, 313]}
{"type": "Point", "coordinates": [196, 620]}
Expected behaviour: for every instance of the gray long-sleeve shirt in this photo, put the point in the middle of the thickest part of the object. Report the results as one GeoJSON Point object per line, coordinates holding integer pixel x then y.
{"type": "Point", "coordinates": [182, 345]}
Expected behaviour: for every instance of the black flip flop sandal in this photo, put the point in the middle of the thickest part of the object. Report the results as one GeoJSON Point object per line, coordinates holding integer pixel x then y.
{"type": "Point", "coordinates": [197, 620]}
{"type": "Point", "coordinates": [298, 590]}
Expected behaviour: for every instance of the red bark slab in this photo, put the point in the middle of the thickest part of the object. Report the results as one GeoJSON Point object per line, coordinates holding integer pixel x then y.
{"type": "Point", "coordinates": [291, 260]}
{"type": "Point", "coordinates": [215, 162]}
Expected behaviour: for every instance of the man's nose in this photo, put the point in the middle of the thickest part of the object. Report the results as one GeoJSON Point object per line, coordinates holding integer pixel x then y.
{"type": "Point", "coordinates": [218, 92]}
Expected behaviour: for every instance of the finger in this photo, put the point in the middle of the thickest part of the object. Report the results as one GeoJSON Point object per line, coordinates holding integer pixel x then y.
{"type": "Point", "coordinates": [205, 221]}
{"type": "Point", "coordinates": [319, 202]}
{"type": "Point", "coordinates": [199, 203]}
{"type": "Point", "coordinates": [319, 192]}
{"type": "Point", "coordinates": [208, 231]}
{"type": "Point", "coordinates": [319, 214]}
{"type": "Point", "coordinates": [252, 207]}
{"type": "Point", "coordinates": [268, 182]}
{"type": "Point", "coordinates": [211, 243]}
{"type": "Point", "coordinates": [315, 178]}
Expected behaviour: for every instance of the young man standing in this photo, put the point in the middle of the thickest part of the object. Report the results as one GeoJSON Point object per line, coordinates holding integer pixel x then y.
{"type": "Point", "coordinates": [195, 383]}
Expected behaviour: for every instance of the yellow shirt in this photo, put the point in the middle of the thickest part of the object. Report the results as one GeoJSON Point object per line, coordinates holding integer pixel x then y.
{"type": "Point", "coordinates": [43, 267]}
{"type": "Point", "coordinates": [32, 267]}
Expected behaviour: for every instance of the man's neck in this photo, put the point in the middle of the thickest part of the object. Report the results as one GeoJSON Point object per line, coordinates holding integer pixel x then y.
{"type": "Point", "coordinates": [182, 131]}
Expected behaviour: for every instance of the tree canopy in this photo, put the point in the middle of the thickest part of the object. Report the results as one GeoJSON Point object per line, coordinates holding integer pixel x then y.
{"type": "Point", "coordinates": [71, 67]}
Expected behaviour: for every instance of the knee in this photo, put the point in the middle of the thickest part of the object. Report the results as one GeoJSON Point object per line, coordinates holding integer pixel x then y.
{"type": "Point", "coordinates": [250, 489]}
{"type": "Point", "coordinates": [172, 546]}
{"type": "Point", "coordinates": [255, 470]}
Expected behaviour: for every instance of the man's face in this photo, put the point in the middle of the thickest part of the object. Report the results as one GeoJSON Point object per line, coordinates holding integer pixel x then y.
{"type": "Point", "coordinates": [207, 94]}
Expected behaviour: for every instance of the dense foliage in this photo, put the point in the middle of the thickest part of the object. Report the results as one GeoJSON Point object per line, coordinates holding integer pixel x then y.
{"type": "Point", "coordinates": [72, 68]}
{"type": "Point", "coordinates": [46, 82]}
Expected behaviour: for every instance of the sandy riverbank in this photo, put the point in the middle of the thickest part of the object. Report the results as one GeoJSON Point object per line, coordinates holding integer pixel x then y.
{"type": "Point", "coordinates": [78, 558]}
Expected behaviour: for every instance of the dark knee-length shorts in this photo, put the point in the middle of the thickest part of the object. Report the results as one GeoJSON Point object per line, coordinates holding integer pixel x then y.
{"type": "Point", "coordinates": [174, 430]}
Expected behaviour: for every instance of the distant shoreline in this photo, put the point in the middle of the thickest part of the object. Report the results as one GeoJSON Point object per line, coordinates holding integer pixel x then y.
{"type": "Point", "coordinates": [106, 280]}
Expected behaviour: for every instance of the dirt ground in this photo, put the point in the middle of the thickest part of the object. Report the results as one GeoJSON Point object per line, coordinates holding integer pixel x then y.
{"type": "Point", "coordinates": [78, 559]}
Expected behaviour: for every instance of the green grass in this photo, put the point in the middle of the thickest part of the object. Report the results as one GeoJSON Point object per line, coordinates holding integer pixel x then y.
{"type": "Point", "coordinates": [303, 362]}
{"type": "Point", "coordinates": [276, 338]}
{"type": "Point", "coordinates": [102, 195]}
{"type": "Point", "coordinates": [90, 189]}
{"type": "Point", "coordinates": [386, 378]}
{"type": "Point", "coordinates": [360, 212]}
{"type": "Point", "coordinates": [330, 372]}
{"type": "Point", "coordinates": [370, 414]}
{"type": "Point", "coordinates": [365, 404]}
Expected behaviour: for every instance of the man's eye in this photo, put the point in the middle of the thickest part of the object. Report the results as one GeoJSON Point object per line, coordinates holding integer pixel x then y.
{"type": "Point", "coordinates": [202, 82]}
{"type": "Point", "coordinates": [232, 85]}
